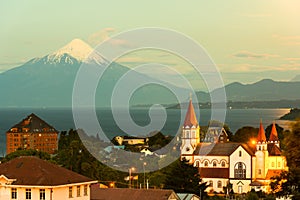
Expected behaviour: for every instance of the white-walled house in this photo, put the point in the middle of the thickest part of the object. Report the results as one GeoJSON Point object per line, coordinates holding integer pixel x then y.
{"type": "Point", "coordinates": [223, 163]}
{"type": "Point", "coordinates": [29, 177]}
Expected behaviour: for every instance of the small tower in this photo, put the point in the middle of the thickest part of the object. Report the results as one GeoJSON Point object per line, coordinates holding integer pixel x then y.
{"type": "Point", "coordinates": [274, 136]}
{"type": "Point", "coordinates": [261, 153]}
{"type": "Point", "coordinates": [190, 132]}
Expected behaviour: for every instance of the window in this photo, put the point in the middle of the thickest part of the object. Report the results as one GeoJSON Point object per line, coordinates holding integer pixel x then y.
{"type": "Point", "coordinates": [214, 164]}
{"type": "Point", "coordinates": [279, 164]}
{"type": "Point", "coordinates": [211, 183]}
{"type": "Point", "coordinates": [70, 192]}
{"type": "Point", "coordinates": [259, 148]}
{"type": "Point", "coordinates": [78, 191]}
{"type": "Point", "coordinates": [240, 189]}
{"type": "Point", "coordinates": [240, 170]}
{"type": "Point", "coordinates": [187, 134]}
{"type": "Point", "coordinates": [223, 164]}
{"type": "Point", "coordinates": [85, 190]}
{"type": "Point", "coordinates": [205, 164]}
{"type": "Point", "coordinates": [240, 153]}
{"type": "Point", "coordinates": [219, 184]}
{"type": "Point", "coordinates": [259, 171]}
{"type": "Point", "coordinates": [197, 163]}
{"type": "Point", "coordinates": [273, 165]}
{"type": "Point", "coordinates": [28, 194]}
{"type": "Point", "coordinates": [14, 193]}
{"type": "Point", "coordinates": [42, 194]}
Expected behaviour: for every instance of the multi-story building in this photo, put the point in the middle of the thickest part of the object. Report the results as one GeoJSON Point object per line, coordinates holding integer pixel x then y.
{"type": "Point", "coordinates": [32, 133]}
{"type": "Point", "coordinates": [222, 163]}
{"type": "Point", "coordinates": [29, 177]}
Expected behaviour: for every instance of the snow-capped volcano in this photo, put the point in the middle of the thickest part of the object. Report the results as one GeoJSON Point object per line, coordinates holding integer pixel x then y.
{"type": "Point", "coordinates": [76, 51]}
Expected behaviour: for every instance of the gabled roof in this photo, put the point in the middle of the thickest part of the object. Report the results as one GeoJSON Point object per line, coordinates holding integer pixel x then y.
{"type": "Point", "coordinates": [261, 136]}
{"type": "Point", "coordinates": [33, 123]}
{"type": "Point", "coordinates": [274, 150]}
{"type": "Point", "coordinates": [220, 149]}
{"type": "Point", "coordinates": [187, 196]}
{"type": "Point", "coordinates": [190, 117]}
{"type": "Point", "coordinates": [273, 135]}
{"type": "Point", "coordinates": [214, 172]}
{"type": "Point", "coordinates": [131, 194]}
{"type": "Point", "coordinates": [30, 170]}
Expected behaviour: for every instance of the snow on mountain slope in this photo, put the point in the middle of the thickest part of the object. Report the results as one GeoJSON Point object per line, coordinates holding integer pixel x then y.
{"type": "Point", "coordinates": [74, 52]}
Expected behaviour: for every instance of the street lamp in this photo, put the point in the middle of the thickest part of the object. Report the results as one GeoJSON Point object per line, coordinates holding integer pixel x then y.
{"type": "Point", "coordinates": [130, 170]}
{"type": "Point", "coordinates": [144, 164]}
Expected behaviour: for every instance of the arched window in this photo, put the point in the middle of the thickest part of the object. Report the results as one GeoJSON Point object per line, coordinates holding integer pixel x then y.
{"type": "Point", "coordinates": [214, 164]}
{"type": "Point", "coordinates": [205, 164]}
{"type": "Point", "coordinates": [187, 134]}
{"type": "Point", "coordinates": [197, 163]}
{"type": "Point", "coordinates": [223, 164]}
{"type": "Point", "coordinates": [211, 184]}
{"type": "Point", "coordinates": [240, 170]}
{"type": "Point", "coordinates": [219, 184]}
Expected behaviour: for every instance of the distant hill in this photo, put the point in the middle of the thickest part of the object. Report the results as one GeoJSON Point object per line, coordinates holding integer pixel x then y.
{"type": "Point", "coordinates": [294, 114]}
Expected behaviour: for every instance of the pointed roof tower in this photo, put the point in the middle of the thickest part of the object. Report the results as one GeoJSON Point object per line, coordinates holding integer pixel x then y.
{"type": "Point", "coordinates": [190, 117]}
{"type": "Point", "coordinates": [261, 137]}
{"type": "Point", "coordinates": [273, 135]}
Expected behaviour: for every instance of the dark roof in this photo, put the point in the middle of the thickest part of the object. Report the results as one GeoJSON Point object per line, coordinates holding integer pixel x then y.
{"type": "Point", "coordinates": [33, 123]}
{"type": "Point", "coordinates": [274, 150]}
{"type": "Point", "coordinates": [219, 149]}
{"type": "Point", "coordinates": [257, 183]}
{"type": "Point", "coordinates": [214, 172]}
{"type": "Point", "coordinates": [131, 194]}
{"type": "Point", "coordinates": [30, 170]}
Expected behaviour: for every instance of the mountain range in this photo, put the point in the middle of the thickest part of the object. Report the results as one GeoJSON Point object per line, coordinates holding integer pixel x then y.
{"type": "Point", "coordinates": [48, 82]}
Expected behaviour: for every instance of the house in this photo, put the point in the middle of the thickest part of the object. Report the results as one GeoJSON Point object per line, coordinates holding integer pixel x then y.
{"type": "Point", "coordinates": [32, 133]}
{"type": "Point", "coordinates": [216, 134]}
{"type": "Point", "coordinates": [186, 196]}
{"type": "Point", "coordinates": [237, 166]}
{"type": "Point", "coordinates": [132, 194]}
{"type": "Point", "coordinates": [29, 177]}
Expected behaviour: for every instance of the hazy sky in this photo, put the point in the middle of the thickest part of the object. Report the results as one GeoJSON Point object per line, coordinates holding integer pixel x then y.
{"type": "Point", "coordinates": [248, 40]}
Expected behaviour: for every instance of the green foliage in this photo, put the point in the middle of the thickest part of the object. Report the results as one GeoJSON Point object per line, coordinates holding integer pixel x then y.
{"type": "Point", "coordinates": [245, 134]}
{"type": "Point", "coordinates": [183, 178]}
{"type": "Point", "coordinates": [252, 196]}
{"type": "Point", "coordinates": [30, 152]}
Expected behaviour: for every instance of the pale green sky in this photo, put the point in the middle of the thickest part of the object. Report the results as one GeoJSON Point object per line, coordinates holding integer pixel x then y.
{"type": "Point", "coordinates": [248, 40]}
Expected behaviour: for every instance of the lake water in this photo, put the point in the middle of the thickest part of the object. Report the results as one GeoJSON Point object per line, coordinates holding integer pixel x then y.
{"type": "Point", "coordinates": [62, 119]}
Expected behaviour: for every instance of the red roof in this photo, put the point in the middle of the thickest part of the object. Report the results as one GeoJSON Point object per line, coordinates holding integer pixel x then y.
{"type": "Point", "coordinates": [190, 117]}
{"type": "Point", "coordinates": [261, 137]}
{"type": "Point", "coordinates": [274, 150]}
{"type": "Point", "coordinates": [273, 135]}
{"type": "Point", "coordinates": [30, 170]}
{"type": "Point", "coordinates": [214, 172]}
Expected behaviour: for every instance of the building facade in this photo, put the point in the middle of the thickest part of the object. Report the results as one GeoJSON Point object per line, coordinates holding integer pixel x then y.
{"type": "Point", "coordinates": [32, 133]}
{"type": "Point", "coordinates": [226, 165]}
{"type": "Point", "coordinates": [29, 177]}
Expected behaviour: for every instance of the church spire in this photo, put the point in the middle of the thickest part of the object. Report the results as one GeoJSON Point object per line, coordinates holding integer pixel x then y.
{"type": "Point", "coordinates": [261, 137]}
{"type": "Point", "coordinates": [190, 117]}
{"type": "Point", "coordinates": [273, 135]}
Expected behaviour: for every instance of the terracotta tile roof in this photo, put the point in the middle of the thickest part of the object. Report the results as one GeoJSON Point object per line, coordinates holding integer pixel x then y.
{"type": "Point", "coordinates": [190, 117]}
{"type": "Point", "coordinates": [30, 170]}
{"type": "Point", "coordinates": [33, 123]}
{"type": "Point", "coordinates": [220, 149]}
{"type": "Point", "coordinates": [272, 173]}
{"type": "Point", "coordinates": [214, 172]}
{"type": "Point", "coordinates": [131, 194]}
{"type": "Point", "coordinates": [261, 136]}
{"type": "Point", "coordinates": [273, 150]}
{"type": "Point", "coordinates": [273, 135]}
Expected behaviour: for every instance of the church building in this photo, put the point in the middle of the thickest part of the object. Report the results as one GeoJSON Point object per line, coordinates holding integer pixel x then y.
{"type": "Point", "coordinates": [222, 163]}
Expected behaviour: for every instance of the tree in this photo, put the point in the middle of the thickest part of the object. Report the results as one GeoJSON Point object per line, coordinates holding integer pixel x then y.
{"type": "Point", "coordinates": [279, 130]}
{"type": "Point", "coordinates": [29, 152]}
{"type": "Point", "coordinates": [183, 178]}
{"type": "Point", "coordinates": [252, 195]}
{"type": "Point", "coordinates": [245, 134]}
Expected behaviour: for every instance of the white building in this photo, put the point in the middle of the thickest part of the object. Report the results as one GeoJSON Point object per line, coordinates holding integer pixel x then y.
{"type": "Point", "coordinates": [220, 163]}
{"type": "Point", "coordinates": [29, 177]}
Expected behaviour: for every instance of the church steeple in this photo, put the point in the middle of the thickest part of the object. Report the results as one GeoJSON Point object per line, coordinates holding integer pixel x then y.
{"type": "Point", "coordinates": [261, 136]}
{"type": "Point", "coordinates": [190, 117]}
{"type": "Point", "coordinates": [274, 135]}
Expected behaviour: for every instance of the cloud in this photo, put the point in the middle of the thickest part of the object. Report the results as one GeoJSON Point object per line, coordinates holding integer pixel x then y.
{"type": "Point", "coordinates": [250, 55]}
{"type": "Point", "coordinates": [104, 34]}
{"type": "Point", "coordinates": [288, 40]}
{"type": "Point", "coordinates": [255, 68]}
